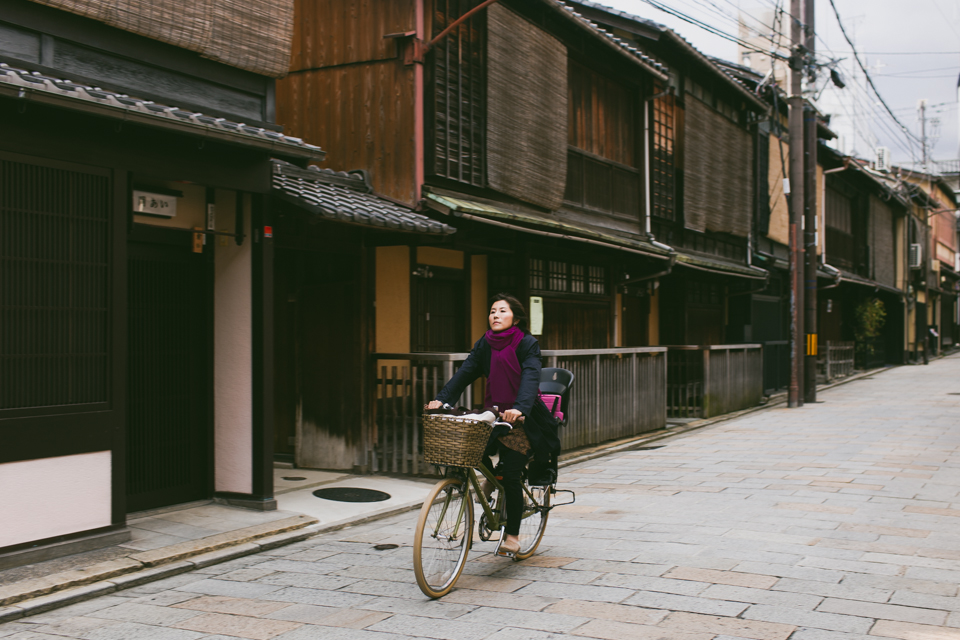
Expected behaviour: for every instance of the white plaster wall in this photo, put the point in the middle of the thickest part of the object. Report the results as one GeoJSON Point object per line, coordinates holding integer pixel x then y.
{"type": "Point", "coordinates": [233, 359]}
{"type": "Point", "coordinates": [54, 496]}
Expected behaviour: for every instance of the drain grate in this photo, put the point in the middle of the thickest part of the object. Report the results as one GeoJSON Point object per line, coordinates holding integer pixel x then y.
{"type": "Point", "coordinates": [351, 494]}
{"type": "Point", "coordinates": [293, 478]}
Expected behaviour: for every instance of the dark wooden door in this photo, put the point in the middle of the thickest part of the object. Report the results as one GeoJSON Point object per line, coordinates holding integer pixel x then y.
{"type": "Point", "coordinates": [438, 314]}
{"type": "Point", "coordinates": [636, 314]}
{"type": "Point", "coordinates": [574, 325]}
{"type": "Point", "coordinates": [329, 353]}
{"type": "Point", "coordinates": [168, 393]}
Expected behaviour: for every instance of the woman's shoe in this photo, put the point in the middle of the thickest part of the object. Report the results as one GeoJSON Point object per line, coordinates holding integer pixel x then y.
{"type": "Point", "coordinates": [508, 548]}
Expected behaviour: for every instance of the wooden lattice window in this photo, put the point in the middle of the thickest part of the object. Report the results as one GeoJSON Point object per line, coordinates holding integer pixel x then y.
{"type": "Point", "coordinates": [457, 110]}
{"type": "Point", "coordinates": [662, 198]}
{"type": "Point", "coordinates": [557, 276]}
{"type": "Point", "coordinates": [54, 286]}
{"type": "Point", "coordinates": [602, 172]}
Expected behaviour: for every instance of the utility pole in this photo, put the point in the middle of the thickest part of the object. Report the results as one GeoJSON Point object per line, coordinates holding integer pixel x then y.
{"type": "Point", "coordinates": [795, 390]}
{"type": "Point", "coordinates": [810, 193]}
{"type": "Point", "coordinates": [922, 108]}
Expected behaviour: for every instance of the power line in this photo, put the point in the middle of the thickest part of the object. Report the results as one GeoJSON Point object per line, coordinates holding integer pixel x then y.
{"type": "Point", "coordinates": [711, 29]}
{"type": "Point", "coordinates": [867, 74]}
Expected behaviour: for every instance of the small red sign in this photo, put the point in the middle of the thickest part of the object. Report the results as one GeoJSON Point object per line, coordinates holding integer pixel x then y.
{"type": "Point", "coordinates": [268, 232]}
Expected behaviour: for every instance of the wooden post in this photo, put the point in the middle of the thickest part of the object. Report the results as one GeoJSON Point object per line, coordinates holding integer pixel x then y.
{"type": "Point", "coordinates": [707, 390]}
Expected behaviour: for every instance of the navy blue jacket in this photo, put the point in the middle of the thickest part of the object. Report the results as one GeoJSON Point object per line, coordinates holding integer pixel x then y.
{"type": "Point", "coordinates": [539, 425]}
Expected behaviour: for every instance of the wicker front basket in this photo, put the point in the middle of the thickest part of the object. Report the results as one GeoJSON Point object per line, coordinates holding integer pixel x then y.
{"type": "Point", "coordinates": [453, 441]}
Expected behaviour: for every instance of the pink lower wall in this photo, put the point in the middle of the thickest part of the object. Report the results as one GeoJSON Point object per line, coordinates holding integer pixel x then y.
{"type": "Point", "coordinates": [54, 497]}
{"type": "Point", "coordinates": [233, 360]}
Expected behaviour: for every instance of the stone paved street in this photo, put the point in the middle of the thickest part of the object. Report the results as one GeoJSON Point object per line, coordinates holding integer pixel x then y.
{"type": "Point", "coordinates": [837, 521]}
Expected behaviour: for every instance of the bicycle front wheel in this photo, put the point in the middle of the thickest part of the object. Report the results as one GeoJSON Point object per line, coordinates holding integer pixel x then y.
{"type": "Point", "coordinates": [444, 533]}
{"type": "Point", "coordinates": [534, 521]}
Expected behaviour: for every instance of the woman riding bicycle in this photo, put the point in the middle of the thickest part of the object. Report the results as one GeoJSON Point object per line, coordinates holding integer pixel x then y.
{"type": "Point", "coordinates": [509, 357]}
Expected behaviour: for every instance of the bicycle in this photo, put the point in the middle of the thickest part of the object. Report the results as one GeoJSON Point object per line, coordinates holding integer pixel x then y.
{"type": "Point", "coordinates": [444, 533]}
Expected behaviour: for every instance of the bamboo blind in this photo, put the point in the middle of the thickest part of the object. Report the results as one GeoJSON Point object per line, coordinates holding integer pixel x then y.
{"type": "Point", "coordinates": [254, 35]}
{"type": "Point", "coordinates": [526, 110]}
{"type": "Point", "coordinates": [718, 176]}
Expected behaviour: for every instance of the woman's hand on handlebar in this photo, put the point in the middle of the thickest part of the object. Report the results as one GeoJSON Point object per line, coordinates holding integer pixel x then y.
{"type": "Point", "coordinates": [434, 404]}
{"type": "Point", "coordinates": [511, 416]}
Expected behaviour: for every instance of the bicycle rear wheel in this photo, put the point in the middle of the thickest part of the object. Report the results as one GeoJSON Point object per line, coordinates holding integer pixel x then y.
{"type": "Point", "coordinates": [534, 521]}
{"type": "Point", "coordinates": [443, 536]}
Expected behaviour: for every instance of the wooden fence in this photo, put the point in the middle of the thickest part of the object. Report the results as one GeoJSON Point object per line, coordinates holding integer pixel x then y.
{"type": "Point", "coordinates": [617, 393]}
{"type": "Point", "coordinates": [836, 360]}
{"type": "Point", "coordinates": [707, 381]}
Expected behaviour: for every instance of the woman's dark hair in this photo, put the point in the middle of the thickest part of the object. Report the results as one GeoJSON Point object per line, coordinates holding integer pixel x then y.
{"type": "Point", "coordinates": [519, 313]}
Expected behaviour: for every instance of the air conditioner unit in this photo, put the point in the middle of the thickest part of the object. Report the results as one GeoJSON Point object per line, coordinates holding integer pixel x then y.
{"type": "Point", "coordinates": [883, 159]}
{"type": "Point", "coordinates": [916, 256]}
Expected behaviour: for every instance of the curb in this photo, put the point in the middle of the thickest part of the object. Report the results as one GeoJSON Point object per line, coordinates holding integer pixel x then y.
{"type": "Point", "coordinates": [42, 594]}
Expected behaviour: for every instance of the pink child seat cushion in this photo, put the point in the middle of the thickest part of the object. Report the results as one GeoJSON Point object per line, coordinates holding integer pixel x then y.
{"type": "Point", "coordinates": [553, 404]}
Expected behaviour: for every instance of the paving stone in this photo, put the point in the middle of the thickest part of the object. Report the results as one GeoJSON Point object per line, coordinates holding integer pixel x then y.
{"type": "Point", "coordinates": [894, 583]}
{"type": "Point", "coordinates": [883, 611]}
{"type": "Point", "coordinates": [144, 614]}
{"type": "Point", "coordinates": [576, 591]}
{"type": "Point", "coordinates": [539, 620]}
{"type": "Point", "coordinates": [605, 611]}
{"type": "Point", "coordinates": [736, 627]}
{"type": "Point", "coordinates": [311, 632]}
{"type": "Point", "coordinates": [229, 588]}
{"type": "Point", "coordinates": [846, 590]}
{"type": "Point", "coordinates": [645, 583]}
{"type": "Point", "coordinates": [442, 608]}
{"type": "Point", "coordinates": [733, 578]}
{"type": "Point", "coordinates": [908, 631]}
{"type": "Point", "coordinates": [762, 596]}
{"type": "Point", "coordinates": [686, 603]}
{"type": "Point", "coordinates": [134, 631]}
{"type": "Point", "coordinates": [612, 630]}
{"type": "Point", "coordinates": [238, 606]}
{"type": "Point", "coordinates": [502, 600]}
{"type": "Point", "coordinates": [799, 618]}
{"type": "Point", "coordinates": [239, 626]}
{"type": "Point", "coordinates": [317, 597]}
{"type": "Point", "coordinates": [307, 580]}
{"type": "Point", "coordinates": [434, 628]}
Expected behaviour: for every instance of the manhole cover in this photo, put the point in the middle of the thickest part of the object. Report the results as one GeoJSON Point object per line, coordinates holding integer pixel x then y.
{"type": "Point", "coordinates": [953, 394]}
{"type": "Point", "coordinates": [351, 494]}
{"type": "Point", "coordinates": [293, 478]}
{"type": "Point", "coordinates": [385, 547]}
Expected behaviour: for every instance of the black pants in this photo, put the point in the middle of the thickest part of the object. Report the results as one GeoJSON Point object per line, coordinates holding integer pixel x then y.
{"type": "Point", "coordinates": [511, 468]}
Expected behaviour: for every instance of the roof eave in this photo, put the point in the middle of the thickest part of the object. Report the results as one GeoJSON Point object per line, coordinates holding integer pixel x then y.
{"type": "Point", "coordinates": [567, 12]}
{"type": "Point", "coordinates": [274, 148]}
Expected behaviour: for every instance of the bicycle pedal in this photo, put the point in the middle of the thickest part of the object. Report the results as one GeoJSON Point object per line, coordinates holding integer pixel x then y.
{"type": "Point", "coordinates": [504, 553]}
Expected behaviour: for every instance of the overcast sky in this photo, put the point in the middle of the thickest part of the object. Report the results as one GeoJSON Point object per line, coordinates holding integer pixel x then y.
{"type": "Point", "coordinates": [898, 42]}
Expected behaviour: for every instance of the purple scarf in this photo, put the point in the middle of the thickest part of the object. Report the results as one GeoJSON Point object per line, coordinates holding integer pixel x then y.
{"type": "Point", "coordinates": [504, 380]}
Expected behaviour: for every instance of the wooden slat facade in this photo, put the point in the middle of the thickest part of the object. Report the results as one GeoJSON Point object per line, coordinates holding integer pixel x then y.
{"type": "Point", "coordinates": [362, 115]}
{"type": "Point", "coordinates": [348, 92]}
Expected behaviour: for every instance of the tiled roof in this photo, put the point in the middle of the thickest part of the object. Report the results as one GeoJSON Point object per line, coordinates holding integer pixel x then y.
{"type": "Point", "coordinates": [347, 197]}
{"type": "Point", "coordinates": [39, 88]}
{"type": "Point", "coordinates": [626, 46]}
{"type": "Point", "coordinates": [676, 37]}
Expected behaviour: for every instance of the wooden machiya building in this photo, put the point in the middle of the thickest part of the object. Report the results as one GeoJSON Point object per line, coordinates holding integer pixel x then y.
{"type": "Point", "coordinates": [136, 262]}
{"type": "Point", "coordinates": [525, 127]}
{"type": "Point", "coordinates": [703, 126]}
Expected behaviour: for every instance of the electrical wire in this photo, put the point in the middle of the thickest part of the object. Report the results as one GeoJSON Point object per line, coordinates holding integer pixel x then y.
{"type": "Point", "coordinates": [867, 75]}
